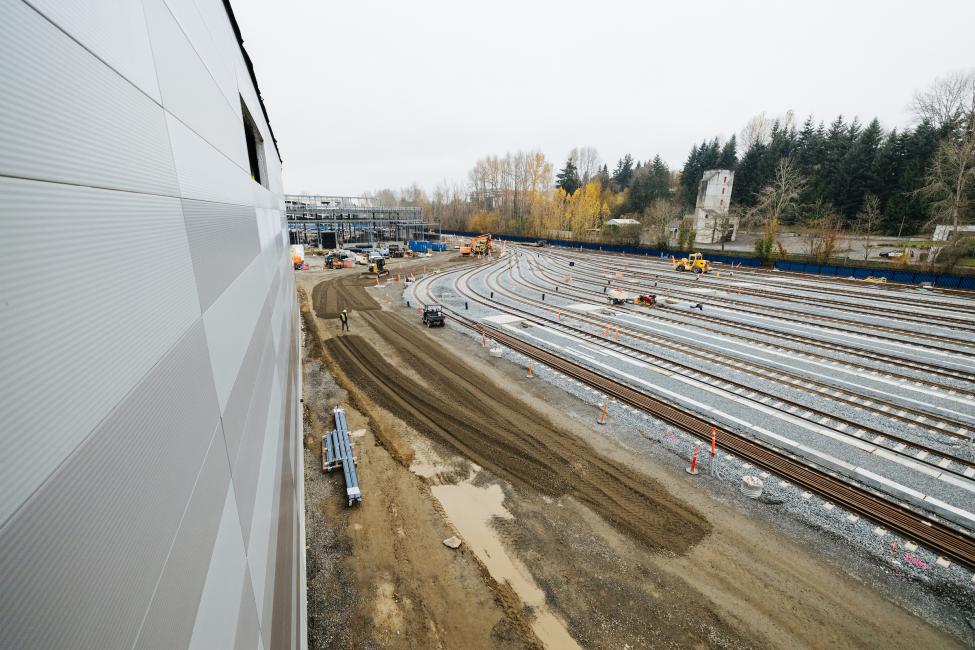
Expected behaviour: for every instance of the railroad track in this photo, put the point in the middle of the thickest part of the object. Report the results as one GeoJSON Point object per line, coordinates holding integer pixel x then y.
{"type": "Point", "coordinates": [954, 312]}
{"type": "Point", "coordinates": [821, 282]}
{"type": "Point", "coordinates": [882, 332]}
{"type": "Point", "coordinates": [879, 357]}
{"type": "Point", "coordinates": [934, 423]}
{"type": "Point", "coordinates": [935, 460]}
{"type": "Point", "coordinates": [912, 525]}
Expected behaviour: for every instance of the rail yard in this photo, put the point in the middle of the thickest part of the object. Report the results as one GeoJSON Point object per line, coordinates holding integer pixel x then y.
{"type": "Point", "coordinates": [635, 455]}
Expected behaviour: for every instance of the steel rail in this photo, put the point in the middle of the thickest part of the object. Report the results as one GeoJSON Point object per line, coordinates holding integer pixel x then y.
{"type": "Point", "coordinates": [914, 526]}
{"type": "Point", "coordinates": [881, 332]}
{"type": "Point", "coordinates": [880, 357]}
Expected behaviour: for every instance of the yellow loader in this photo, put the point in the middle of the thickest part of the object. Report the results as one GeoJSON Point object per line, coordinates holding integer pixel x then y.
{"type": "Point", "coordinates": [694, 262]}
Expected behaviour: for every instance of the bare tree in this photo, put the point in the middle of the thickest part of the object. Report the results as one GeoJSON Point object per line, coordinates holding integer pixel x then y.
{"type": "Point", "coordinates": [778, 198]}
{"type": "Point", "coordinates": [946, 100]}
{"type": "Point", "coordinates": [867, 221]}
{"type": "Point", "coordinates": [587, 161]}
{"type": "Point", "coordinates": [775, 201]}
{"type": "Point", "coordinates": [658, 216]}
{"type": "Point", "coordinates": [823, 237]}
{"type": "Point", "coordinates": [386, 198]}
{"type": "Point", "coordinates": [951, 172]}
{"type": "Point", "coordinates": [756, 131]}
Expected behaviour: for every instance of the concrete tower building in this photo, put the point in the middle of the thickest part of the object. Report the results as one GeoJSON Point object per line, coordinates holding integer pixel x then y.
{"type": "Point", "coordinates": [150, 480]}
{"type": "Point", "coordinates": [711, 219]}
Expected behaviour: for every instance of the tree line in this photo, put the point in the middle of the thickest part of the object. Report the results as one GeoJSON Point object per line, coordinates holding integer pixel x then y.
{"type": "Point", "coordinates": [844, 175]}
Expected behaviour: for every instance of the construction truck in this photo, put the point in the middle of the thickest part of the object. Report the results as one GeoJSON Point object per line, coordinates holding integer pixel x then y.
{"type": "Point", "coordinates": [480, 245]}
{"type": "Point", "coordinates": [694, 262]}
{"type": "Point", "coordinates": [377, 269]}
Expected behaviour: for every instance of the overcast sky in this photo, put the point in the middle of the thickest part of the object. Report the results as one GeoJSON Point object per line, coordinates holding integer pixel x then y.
{"type": "Point", "coordinates": [365, 95]}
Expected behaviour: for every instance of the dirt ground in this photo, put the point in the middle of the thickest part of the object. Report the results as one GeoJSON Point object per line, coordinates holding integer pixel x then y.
{"type": "Point", "coordinates": [608, 538]}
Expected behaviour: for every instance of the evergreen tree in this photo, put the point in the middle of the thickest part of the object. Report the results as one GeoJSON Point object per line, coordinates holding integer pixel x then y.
{"type": "Point", "coordinates": [651, 182]}
{"type": "Point", "coordinates": [729, 154]}
{"type": "Point", "coordinates": [568, 178]}
{"type": "Point", "coordinates": [623, 173]}
{"type": "Point", "coordinates": [690, 175]}
{"type": "Point", "coordinates": [603, 177]}
{"type": "Point", "coordinates": [906, 211]}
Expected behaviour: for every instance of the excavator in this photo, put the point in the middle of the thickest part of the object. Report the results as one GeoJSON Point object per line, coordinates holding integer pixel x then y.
{"type": "Point", "coordinates": [480, 245]}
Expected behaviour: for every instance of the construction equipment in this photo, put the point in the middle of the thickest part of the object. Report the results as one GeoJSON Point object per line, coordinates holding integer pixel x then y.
{"type": "Point", "coordinates": [480, 245]}
{"type": "Point", "coordinates": [618, 297]}
{"type": "Point", "coordinates": [297, 256]}
{"type": "Point", "coordinates": [337, 452]}
{"type": "Point", "coordinates": [395, 250]}
{"type": "Point", "coordinates": [694, 262]}
{"type": "Point", "coordinates": [648, 300]}
{"type": "Point", "coordinates": [377, 269]}
{"type": "Point", "coordinates": [433, 316]}
{"type": "Point", "coordinates": [334, 261]}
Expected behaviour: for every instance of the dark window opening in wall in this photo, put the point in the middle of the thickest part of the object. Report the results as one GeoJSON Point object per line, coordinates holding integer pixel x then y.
{"type": "Point", "coordinates": [255, 147]}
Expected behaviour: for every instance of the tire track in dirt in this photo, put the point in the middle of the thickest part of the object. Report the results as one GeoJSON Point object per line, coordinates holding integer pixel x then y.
{"type": "Point", "coordinates": [487, 425]}
{"type": "Point", "coordinates": [330, 297]}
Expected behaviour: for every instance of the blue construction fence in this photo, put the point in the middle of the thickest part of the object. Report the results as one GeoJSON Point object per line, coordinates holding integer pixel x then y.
{"type": "Point", "coordinates": [944, 280]}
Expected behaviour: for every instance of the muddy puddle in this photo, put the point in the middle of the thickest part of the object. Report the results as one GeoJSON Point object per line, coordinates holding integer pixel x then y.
{"type": "Point", "coordinates": [470, 508]}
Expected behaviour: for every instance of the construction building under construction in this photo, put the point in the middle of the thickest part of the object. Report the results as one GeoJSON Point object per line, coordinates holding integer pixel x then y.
{"type": "Point", "coordinates": [333, 221]}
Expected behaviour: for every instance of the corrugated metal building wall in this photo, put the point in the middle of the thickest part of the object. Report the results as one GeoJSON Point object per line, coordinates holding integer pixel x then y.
{"type": "Point", "coordinates": [150, 473]}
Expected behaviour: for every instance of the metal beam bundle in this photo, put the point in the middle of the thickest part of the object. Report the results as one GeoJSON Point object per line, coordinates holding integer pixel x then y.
{"type": "Point", "coordinates": [338, 453]}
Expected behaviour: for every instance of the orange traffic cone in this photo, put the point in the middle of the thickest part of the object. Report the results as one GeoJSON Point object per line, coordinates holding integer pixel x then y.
{"type": "Point", "coordinates": [617, 332]}
{"type": "Point", "coordinates": [693, 468]}
{"type": "Point", "coordinates": [531, 373]}
{"type": "Point", "coordinates": [602, 415]}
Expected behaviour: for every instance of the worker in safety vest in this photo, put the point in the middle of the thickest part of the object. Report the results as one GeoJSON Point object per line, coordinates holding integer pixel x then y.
{"type": "Point", "coordinates": [344, 317]}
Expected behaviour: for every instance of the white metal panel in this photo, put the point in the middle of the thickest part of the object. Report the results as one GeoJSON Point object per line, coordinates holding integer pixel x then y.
{"type": "Point", "coordinates": [204, 173]}
{"type": "Point", "coordinates": [249, 94]}
{"type": "Point", "coordinates": [274, 170]}
{"type": "Point", "coordinates": [223, 240]}
{"type": "Point", "coordinates": [188, 90]}
{"type": "Point", "coordinates": [230, 323]}
{"type": "Point", "coordinates": [240, 402]}
{"type": "Point", "coordinates": [216, 619]}
{"type": "Point", "coordinates": [264, 522]}
{"type": "Point", "coordinates": [191, 22]}
{"type": "Point", "coordinates": [248, 629]}
{"type": "Point", "coordinates": [68, 117]}
{"type": "Point", "coordinates": [114, 31]}
{"type": "Point", "coordinates": [81, 559]}
{"type": "Point", "coordinates": [169, 621]}
{"type": "Point", "coordinates": [264, 226]}
{"type": "Point", "coordinates": [245, 468]}
{"type": "Point", "coordinates": [88, 341]}
{"type": "Point", "coordinates": [215, 16]}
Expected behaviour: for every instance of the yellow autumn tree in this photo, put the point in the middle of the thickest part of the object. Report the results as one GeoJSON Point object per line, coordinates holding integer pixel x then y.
{"type": "Point", "coordinates": [586, 209]}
